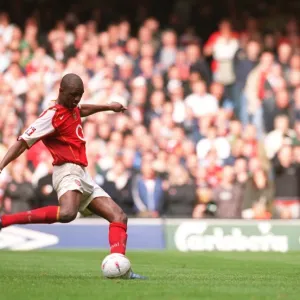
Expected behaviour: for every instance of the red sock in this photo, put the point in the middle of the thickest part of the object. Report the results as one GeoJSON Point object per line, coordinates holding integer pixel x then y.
{"type": "Point", "coordinates": [117, 237]}
{"type": "Point", "coordinates": [48, 215]}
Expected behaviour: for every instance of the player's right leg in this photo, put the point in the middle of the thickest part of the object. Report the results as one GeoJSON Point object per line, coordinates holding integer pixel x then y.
{"type": "Point", "coordinates": [66, 212]}
{"type": "Point", "coordinates": [106, 208]}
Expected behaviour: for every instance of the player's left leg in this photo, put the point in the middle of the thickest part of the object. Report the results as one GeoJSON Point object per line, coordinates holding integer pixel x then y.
{"type": "Point", "coordinates": [43, 215]}
{"type": "Point", "coordinates": [64, 213]}
{"type": "Point", "coordinates": [105, 207]}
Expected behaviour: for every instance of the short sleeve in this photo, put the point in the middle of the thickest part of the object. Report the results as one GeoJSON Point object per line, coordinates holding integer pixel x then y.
{"type": "Point", "coordinates": [42, 127]}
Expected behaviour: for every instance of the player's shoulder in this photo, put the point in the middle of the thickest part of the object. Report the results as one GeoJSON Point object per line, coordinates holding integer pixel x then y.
{"type": "Point", "coordinates": [49, 112]}
{"type": "Point", "coordinates": [55, 106]}
{"type": "Point", "coordinates": [53, 112]}
{"type": "Point", "coordinates": [51, 104]}
{"type": "Point", "coordinates": [52, 109]}
{"type": "Point", "coordinates": [56, 109]}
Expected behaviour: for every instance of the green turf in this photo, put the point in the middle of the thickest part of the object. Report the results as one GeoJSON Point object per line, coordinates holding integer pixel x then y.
{"type": "Point", "coordinates": [77, 275]}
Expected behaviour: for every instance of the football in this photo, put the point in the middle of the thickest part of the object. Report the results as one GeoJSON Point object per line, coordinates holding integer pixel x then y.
{"type": "Point", "coordinates": [116, 266]}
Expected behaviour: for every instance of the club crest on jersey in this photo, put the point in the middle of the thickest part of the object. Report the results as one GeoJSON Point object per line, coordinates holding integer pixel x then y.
{"type": "Point", "coordinates": [74, 115]}
{"type": "Point", "coordinates": [30, 131]}
{"type": "Point", "coordinates": [78, 182]}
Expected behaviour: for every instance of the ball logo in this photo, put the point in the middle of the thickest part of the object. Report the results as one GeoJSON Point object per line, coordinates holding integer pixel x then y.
{"type": "Point", "coordinates": [79, 132]}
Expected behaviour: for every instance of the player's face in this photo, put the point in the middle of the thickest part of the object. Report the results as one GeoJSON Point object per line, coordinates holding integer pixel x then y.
{"type": "Point", "coordinates": [72, 96]}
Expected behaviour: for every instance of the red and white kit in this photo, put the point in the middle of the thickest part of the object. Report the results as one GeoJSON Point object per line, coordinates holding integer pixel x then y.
{"type": "Point", "coordinates": [60, 129]}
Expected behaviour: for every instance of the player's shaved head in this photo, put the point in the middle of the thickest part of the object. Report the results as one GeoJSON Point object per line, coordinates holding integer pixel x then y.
{"type": "Point", "coordinates": [70, 91]}
{"type": "Point", "coordinates": [71, 80]}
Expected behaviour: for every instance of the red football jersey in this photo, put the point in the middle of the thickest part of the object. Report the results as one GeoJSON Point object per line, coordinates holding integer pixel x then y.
{"type": "Point", "coordinates": [61, 131]}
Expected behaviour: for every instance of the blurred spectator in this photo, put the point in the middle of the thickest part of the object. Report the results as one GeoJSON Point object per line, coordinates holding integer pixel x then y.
{"type": "Point", "coordinates": [296, 135]}
{"type": "Point", "coordinates": [284, 56]}
{"type": "Point", "coordinates": [222, 45]}
{"type": "Point", "coordinates": [258, 197]}
{"type": "Point", "coordinates": [157, 100]}
{"type": "Point", "coordinates": [4, 57]}
{"type": "Point", "coordinates": [244, 61]}
{"type": "Point", "coordinates": [297, 103]}
{"type": "Point", "coordinates": [118, 184]}
{"type": "Point", "coordinates": [212, 141]}
{"type": "Point", "coordinates": [281, 105]}
{"type": "Point", "coordinates": [217, 90]}
{"type": "Point", "coordinates": [45, 193]}
{"type": "Point", "coordinates": [254, 90]}
{"type": "Point", "coordinates": [19, 194]}
{"type": "Point", "coordinates": [168, 50]}
{"type": "Point", "coordinates": [228, 196]}
{"type": "Point", "coordinates": [280, 136]}
{"type": "Point", "coordinates": [15, 78]}
{"type": "Point", "coordinates": [201, 102]}
{"type": "Point", "coordinates": [241, 171]}
{"type": "Point", "coordinates": [237, 151]}
{"type": "Point", "coordinates": [254, 148]}
{"type": "Point", "coordinates": [6, 29]}
{"type": "Point", "coordinates": [42, 166]}
{"type": "Point", "coordinates": [204, 194]}
{"type": "Point", "coordinates": [132, 49]}
{"type": "Point", "coordinates": [147, 192]}
{"type": "Point", "coordinates": [197, 62]}
{"type": "Point", "coordinates": [180, 193]}
{"type": "Point", "coordinates": [287, 193]}
{"type": "Point", "coordinates": [213, 167]}
{"type": "Point", "coordinates": [175, 90]}
{"type": "Point", "coordinates": [293, 73]}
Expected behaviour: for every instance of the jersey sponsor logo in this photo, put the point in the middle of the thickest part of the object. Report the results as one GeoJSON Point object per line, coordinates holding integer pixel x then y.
{"type": "Point", "coordinates": [30, 130]}
{"type": "Point", "coordinates": [61, 117]}
{"type": "Point", "coordinates": [79, 132]}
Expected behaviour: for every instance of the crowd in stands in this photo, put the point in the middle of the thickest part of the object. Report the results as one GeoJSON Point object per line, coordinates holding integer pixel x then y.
{"type": "Point", "coordinates": [212, 128]}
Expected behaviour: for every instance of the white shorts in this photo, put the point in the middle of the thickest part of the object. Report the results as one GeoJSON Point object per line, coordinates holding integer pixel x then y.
{"type": "Point", "coordinates": [72, 177]}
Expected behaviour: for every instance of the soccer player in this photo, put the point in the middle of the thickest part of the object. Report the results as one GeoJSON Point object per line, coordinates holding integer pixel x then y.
{"type": "Point", "coordinates": [60, 129]}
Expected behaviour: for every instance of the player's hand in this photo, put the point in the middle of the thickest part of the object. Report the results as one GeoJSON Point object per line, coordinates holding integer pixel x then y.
{"type": "Point", "coordinates": [117, 107]}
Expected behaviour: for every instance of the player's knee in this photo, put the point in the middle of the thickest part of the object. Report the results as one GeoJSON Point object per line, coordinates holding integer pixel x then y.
{"type": "Point", "coordinates": [120, 217]}
{"type": "Point", "coordinates": [124, 218]}
{"type": "Point", "coordinates": [66, 216]}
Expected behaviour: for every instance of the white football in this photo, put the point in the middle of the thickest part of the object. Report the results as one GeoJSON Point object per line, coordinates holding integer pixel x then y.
{"type": "Point", "coordinates": [116, 265]}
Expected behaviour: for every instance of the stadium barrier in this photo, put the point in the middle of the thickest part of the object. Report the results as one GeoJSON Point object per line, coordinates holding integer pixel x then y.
{"type": "Point", "coordinates": [159, 234]}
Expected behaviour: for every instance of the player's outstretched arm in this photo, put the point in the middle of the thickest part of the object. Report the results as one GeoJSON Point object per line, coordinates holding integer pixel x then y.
{"type": "Point", "coordinates": [89, 109]}
{"type": "Point", "coordinates": [13, 152]}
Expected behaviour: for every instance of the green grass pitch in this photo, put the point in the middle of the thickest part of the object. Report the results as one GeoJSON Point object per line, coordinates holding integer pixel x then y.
{"type": "Point", "coordinates": [65, 275]}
